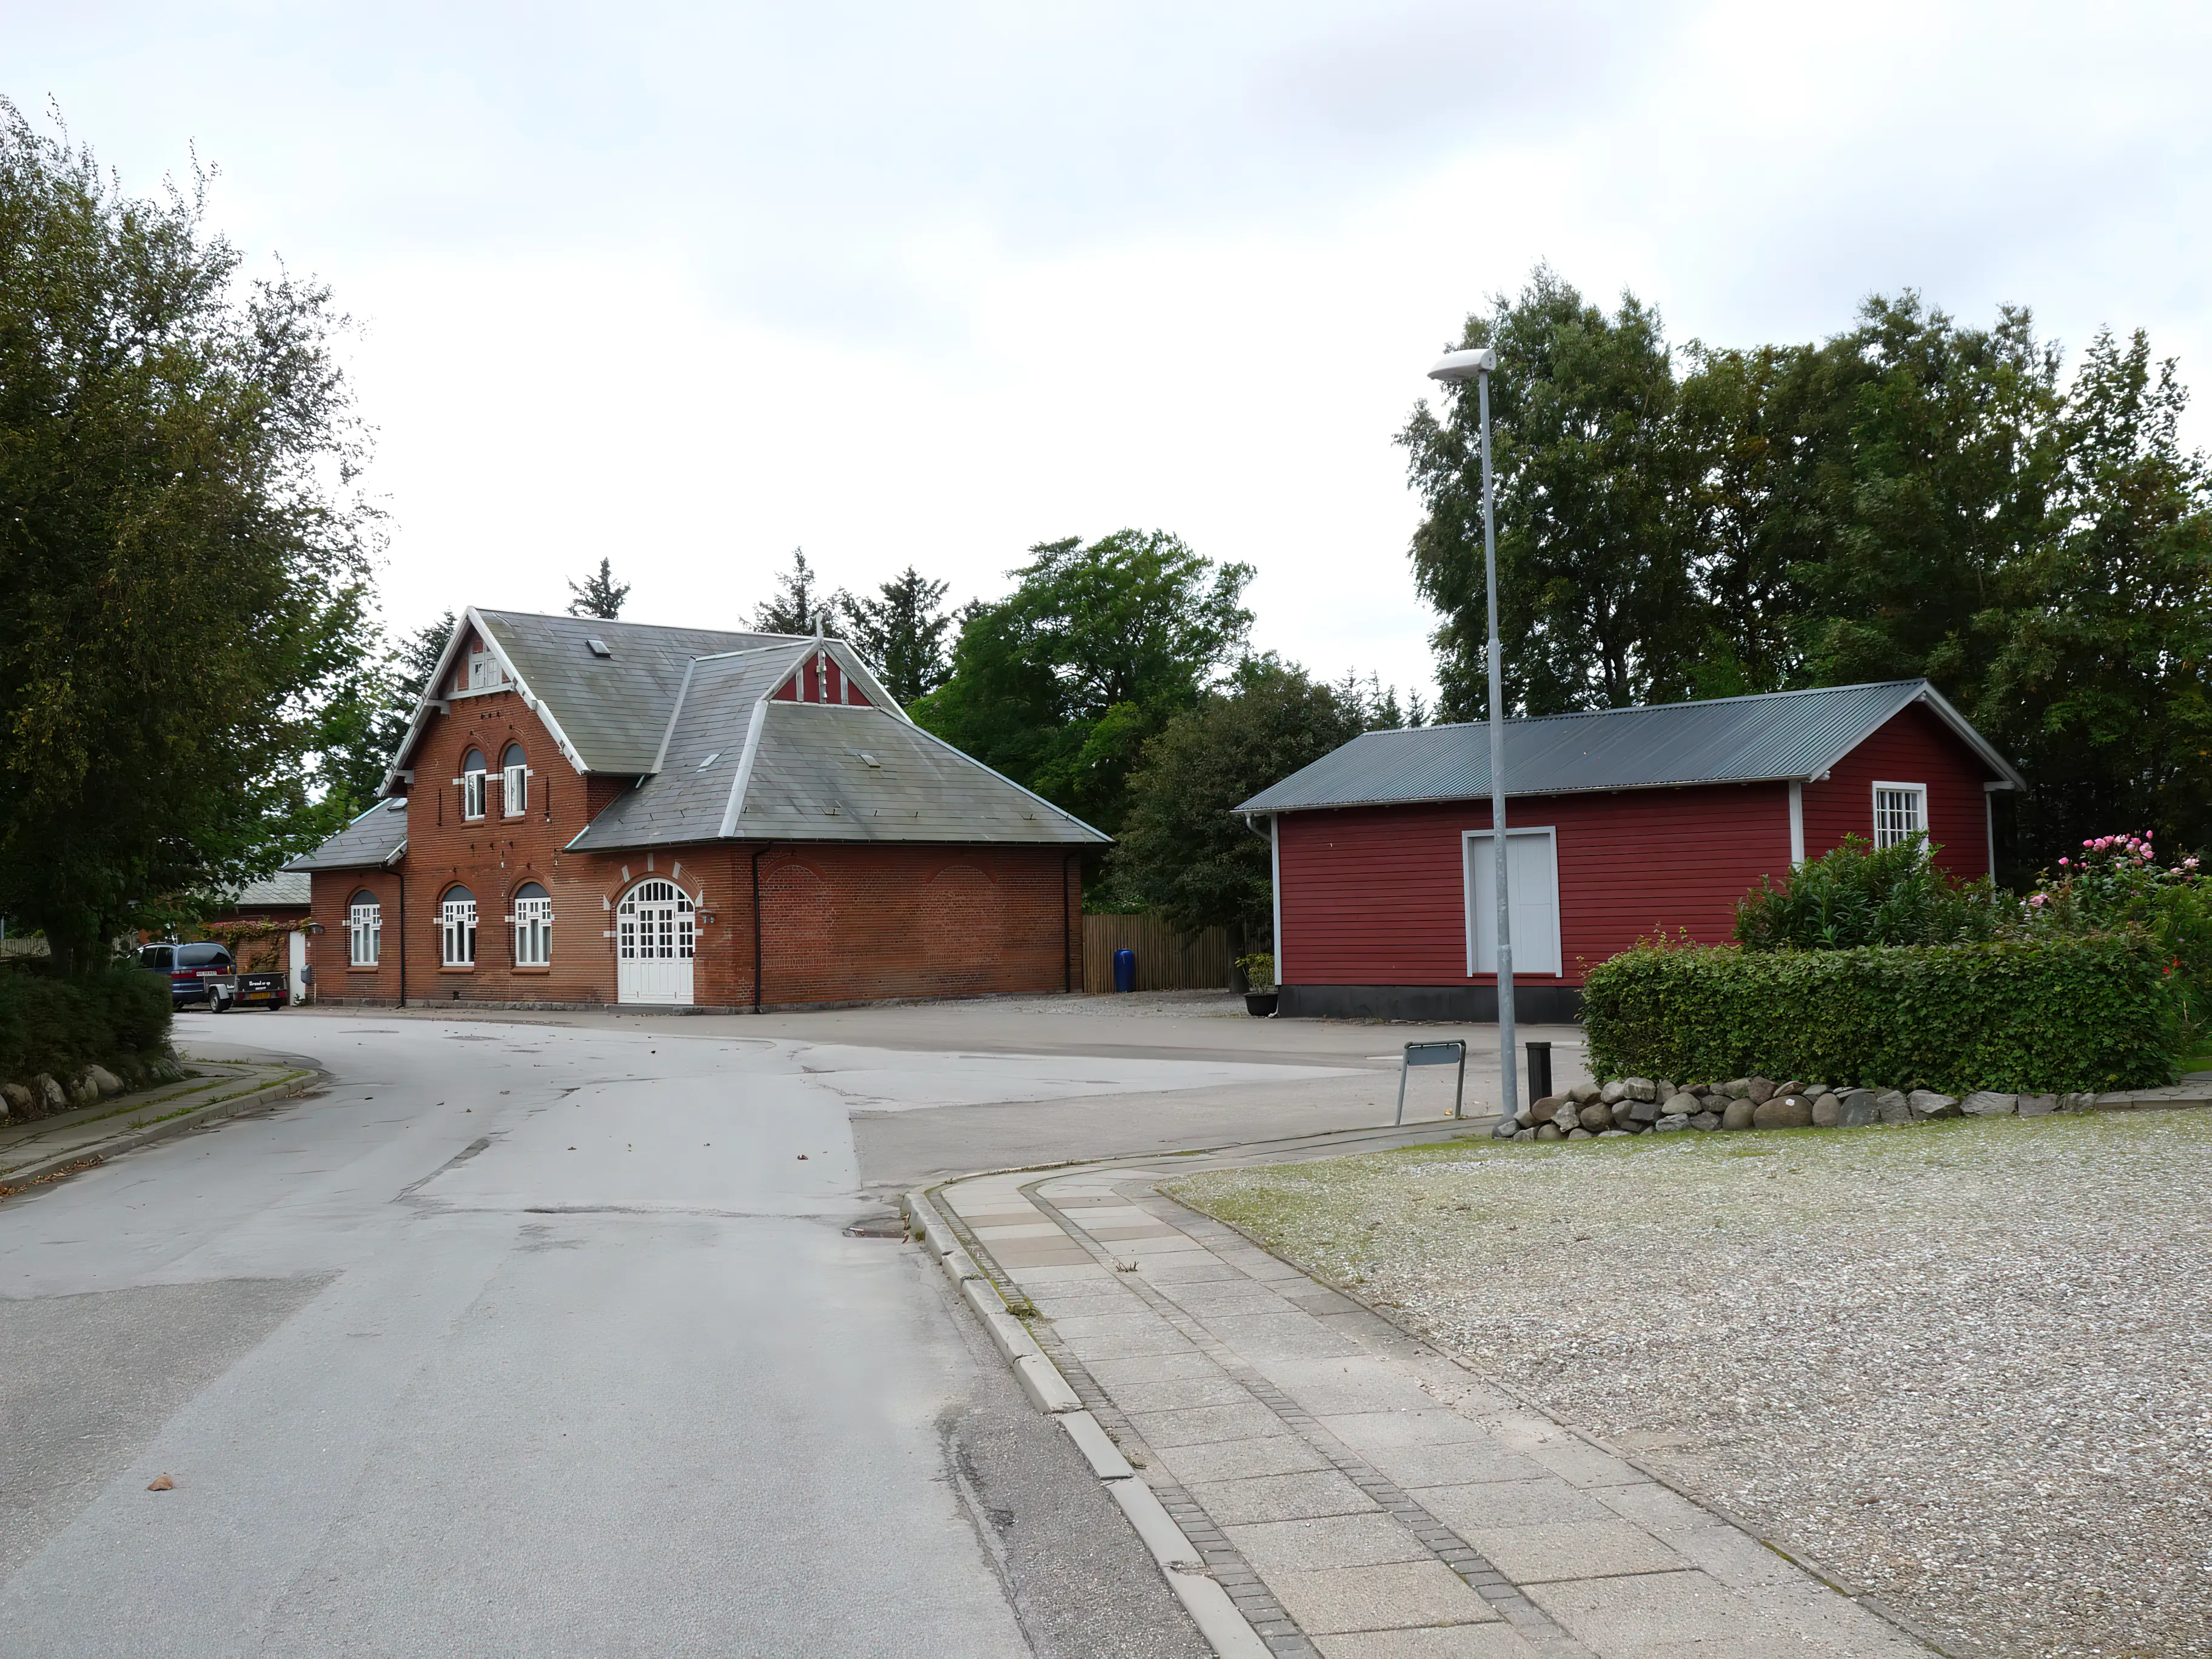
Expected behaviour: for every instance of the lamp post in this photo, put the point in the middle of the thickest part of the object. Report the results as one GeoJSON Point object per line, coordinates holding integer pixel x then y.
{"type": "Point", "coordinates": [1456, 368]}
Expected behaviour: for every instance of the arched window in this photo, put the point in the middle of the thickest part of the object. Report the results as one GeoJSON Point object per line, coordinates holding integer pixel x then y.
{"type": "Point", "coordinates": [653, 923]}
{"type": "Point", "coordinates": [513, 783]}
{"type": "Point", "coordinates": [364, 929]}
{"type": "Point", "coordinates": [533, 926]}
{"type": "Point", "coordinates": [457, 928]}
{"type": "Point", "coordinates": [473, 784]}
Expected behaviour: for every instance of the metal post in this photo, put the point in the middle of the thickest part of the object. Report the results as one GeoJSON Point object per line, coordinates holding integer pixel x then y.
{"type": "Point", "coordinates": [1509, 1081]}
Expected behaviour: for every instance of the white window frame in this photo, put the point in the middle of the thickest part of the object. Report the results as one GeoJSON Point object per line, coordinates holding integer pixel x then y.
{"type": "Point", "coordinates": [513, 790]}
{"type": "Point", "coordinates": [1556, 967]}
{"type": "Point", "coordinates": [456, 933]}
{"type": "Point", "coordinates": [483, 671]}
{"type": "Point", "coordinates": [1919, 792]}
{"type": "Point", "coordinates": [678, 941]}
{"type": "Point", "coordinates": [472, 794]}
{"type": "Point", "coordinates": [533, 932]}
{"type": "Point", "coordinates": [364, 934]}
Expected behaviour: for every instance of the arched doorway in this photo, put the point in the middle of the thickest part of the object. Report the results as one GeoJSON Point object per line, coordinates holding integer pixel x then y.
{"type": "Point", "coordinates": [654, 933]}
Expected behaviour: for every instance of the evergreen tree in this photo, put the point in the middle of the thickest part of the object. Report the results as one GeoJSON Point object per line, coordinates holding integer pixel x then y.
{"type": "Point", "coordinates": [599, 594]}
{"type": "Point", "coordinates": [799, 605]}
{"type": "Point", "coordinates": [902, 631]}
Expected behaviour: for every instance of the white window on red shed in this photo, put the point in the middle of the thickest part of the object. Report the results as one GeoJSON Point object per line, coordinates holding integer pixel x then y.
{"type": "Point", "coordinates": [1900, 812]}
{"type": "Point", "coordinates": [1532, 879]}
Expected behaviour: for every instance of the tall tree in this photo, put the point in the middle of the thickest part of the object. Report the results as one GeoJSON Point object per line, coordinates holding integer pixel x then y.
{"type": "Point", "coordinates": [902, 631]}
{"type": "Point", "coordinates": [184, 551]}
{"type": "Point", "coordinates": [798, 604]}
{"type": "Point", "coordinates": [1058, 684]}
{"type": "Point", "coordinates": [369, 716]}
{"type": "Point", "coordinates": [599, 594]}
{"type": "Point", "coordinates": [1598, 604]}
{"type": "Point", "coordinates": [2098, 674]}
{"type": "Point", "coordinates": [1180, 851]}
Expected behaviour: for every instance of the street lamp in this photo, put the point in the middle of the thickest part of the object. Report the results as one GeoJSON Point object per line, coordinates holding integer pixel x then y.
{"type": "Point", "coordinates": [1456, 368]}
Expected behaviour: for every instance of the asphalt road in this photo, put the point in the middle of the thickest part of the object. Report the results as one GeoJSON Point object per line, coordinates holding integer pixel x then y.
{"type": "Point", "coordinates": [547, 1338]}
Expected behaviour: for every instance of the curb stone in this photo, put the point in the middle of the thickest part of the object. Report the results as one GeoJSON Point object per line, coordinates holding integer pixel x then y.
{"type": "Point", "coordinates": [94, 1153]}
{"type": "Point", "coordinates": [1224, 1626]}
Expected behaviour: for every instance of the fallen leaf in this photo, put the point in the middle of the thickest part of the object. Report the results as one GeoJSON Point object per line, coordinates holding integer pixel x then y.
{"type": "Point", "coordinates": [160, 1483]}
{"type": "Point", "coordinates": [802, 1157]}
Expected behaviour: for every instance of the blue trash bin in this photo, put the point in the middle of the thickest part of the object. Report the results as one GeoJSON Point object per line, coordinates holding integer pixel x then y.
{"type": "Point", "coordinates": [1125, 969]}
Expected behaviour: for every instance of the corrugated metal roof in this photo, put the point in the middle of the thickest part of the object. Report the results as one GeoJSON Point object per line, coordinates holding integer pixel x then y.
{"type": "Point", "coordinates": [375, 838]}
{"type": "Point", "coordinates": [1767, 736]}
{"type": "Point", "coordinates": [614, 709]}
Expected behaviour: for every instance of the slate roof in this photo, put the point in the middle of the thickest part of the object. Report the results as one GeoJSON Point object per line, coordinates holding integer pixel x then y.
{"type": "Point", "coordinates": [376, 838]}
{"type": "Point", "coordinates": [287, 887]}
{"type": "Point", "coordinates": [688, 712]}
{"type": "Point", "coordinates": [1766, 736]}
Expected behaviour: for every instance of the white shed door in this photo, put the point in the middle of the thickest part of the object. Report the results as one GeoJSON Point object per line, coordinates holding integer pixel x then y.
{"type": "Point", "coordinates": [655, 938]}
{"type": "Point", "coordinates": [1531, 880]}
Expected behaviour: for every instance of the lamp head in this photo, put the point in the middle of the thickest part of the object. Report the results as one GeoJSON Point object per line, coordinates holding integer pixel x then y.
{"type": "Point", "coordinates": [1454, 367]}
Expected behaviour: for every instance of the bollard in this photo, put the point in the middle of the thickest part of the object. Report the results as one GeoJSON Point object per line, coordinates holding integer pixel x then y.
{"type": "Point", "coordinates": [1540, 1070]}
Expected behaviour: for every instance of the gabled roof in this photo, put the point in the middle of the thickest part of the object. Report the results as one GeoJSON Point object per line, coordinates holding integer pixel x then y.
{"type": "Point", "coordinates": [738, 762]}
{"type": "Point", "coordinates": [375, 839]}
{"type": "Point", "coordinates": [1766, 736]}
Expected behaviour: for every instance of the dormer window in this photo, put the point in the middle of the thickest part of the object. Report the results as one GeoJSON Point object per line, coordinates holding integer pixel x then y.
{"type": "Point", "coordinates": [473, 784]}
{"type": "Point", "coordinates": [513, 783]}
{"type": "Point", "coordinates": [483, 670]}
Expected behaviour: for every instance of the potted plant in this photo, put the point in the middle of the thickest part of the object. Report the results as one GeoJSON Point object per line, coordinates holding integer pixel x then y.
{"type": "Point", "coordinates": [1260, 995]}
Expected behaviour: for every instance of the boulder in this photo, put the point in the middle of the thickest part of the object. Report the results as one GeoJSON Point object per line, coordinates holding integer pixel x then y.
{"type": "Point", "coordinates": [1579, 1134]}
{"type": "Point", "coordinates": [1855, 1108]}
{"type": "Point", "coordinates": [1614, 1092]}
{"type": "Point", "coordinates": [1706, 1120]}
{"type": "Point", "coordinates": [1566, 1118]}
{"type": "Point", "coordinates": [2077, 1103]}
{"type": "Point", "coordinates": [1783, 1112]}
{"type": "Point", "coordinates": [1891, 1107]}
{"type": "Point", "coordinates": [1792, 1087]}
{"type": "Point", "coordinates": [1613, 1134]}
{"type": "Point", "coordinates": [1544, 1107]}
{"type": "Point", "coordinates": [1506, 1129]}
{"type": "Point", "coordinates": [1681, 1104]}
{"type": "Point", "coordinates": [1664, 1089]}
{"type": "Point", "coordinates": [2037, 1105]}
{"type": "Point", "coordinates": [1987, 1103]}
{"type": "Point", "coordinates": [1927, 1103]}
{"type": "Point", "coordinates": [1597, 1117]}
{"type": "Point", "coordinates": [84, 1092]}
{"type": "Point", "coordinates": [1737, 1088]}
{"type": "Point", "coordinates": [1525, 1118]}
{"type": "Point", "coordinates": [1640, 1088]}
{"type": "Point", "coordinates": [1548, 1132]}
{"type": "Point", "coordinates": [1584, 1094]}
{"type": "Point", "coordinates": [1670, 1124]}
{"type": "Point", "coordinates": [18, 1100]}
{"type": "Point", "coordinates": [105, 1081]}
{"type": "Point", "coordinates": [1828, 1111]}
{"type": "Point", "coordinates": [1759, 1091]}
{"type": "Point", "coordinates": [1739, 1114]}
{"type": "Point", "coordinates": [50, 1093]}
{"type": "Point", "coordinates": [1641, 1113]}
{"type": "Point", "coordinates": [1524, 1135]}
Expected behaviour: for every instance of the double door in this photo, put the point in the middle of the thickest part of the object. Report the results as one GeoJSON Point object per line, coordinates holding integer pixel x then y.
{"type": "Point", "coordinates": [655, 934]}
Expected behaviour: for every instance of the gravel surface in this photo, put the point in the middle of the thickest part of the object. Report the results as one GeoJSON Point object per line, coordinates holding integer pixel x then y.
{"type": "Point", "coordinates": [1967, 1364]}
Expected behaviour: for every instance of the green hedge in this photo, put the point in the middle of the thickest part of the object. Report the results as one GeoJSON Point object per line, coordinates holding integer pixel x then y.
{"type": "Point", "coordinates": [2090, 1011]}
{"type": "Point", "coordinates": [57, 1026]}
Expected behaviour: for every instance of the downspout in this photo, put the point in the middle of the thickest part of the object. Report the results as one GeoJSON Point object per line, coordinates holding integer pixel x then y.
{"type": "Point", "coordinates": [403, 938]}
{"type": "Point", "coordinates": [1067, 931]}
{"type": "Point", "coordinates": [765, 846]}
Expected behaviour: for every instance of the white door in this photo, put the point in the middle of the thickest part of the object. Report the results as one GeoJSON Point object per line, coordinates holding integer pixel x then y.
{"type": "Point", "coordinates": [1532, 887]}
{"type": "Point", "coordinates": [653, 938]}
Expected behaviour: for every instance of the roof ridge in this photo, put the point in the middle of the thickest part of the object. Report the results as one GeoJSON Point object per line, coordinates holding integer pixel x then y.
{"type": "Point", "coordinates": [617, 621]}
{"type": "Point", "coordinates": [1649, 707]}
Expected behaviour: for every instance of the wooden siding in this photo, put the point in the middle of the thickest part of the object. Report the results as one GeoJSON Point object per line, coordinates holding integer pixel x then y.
{"type": "Point", "coordinates": [1914, 747]}
{"type": "Point", "coordinates": [1376, 896]}
{"type": "Point", "coordinates": [1166, 960]}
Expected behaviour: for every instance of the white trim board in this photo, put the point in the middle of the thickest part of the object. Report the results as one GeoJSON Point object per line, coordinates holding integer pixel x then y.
{"type": "Point", "coordinates": [1475, 892]}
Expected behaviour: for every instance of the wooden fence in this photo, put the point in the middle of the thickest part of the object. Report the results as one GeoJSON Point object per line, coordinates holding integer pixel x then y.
{"type": "Point", "coordinates": [1166, 960]}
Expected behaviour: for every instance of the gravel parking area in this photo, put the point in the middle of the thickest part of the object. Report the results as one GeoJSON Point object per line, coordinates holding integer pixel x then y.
{"type": "Point", "coordinates": [1967, 1366]}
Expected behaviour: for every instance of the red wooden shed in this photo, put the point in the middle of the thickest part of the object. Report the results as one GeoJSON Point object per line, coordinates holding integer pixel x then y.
{"type": "Point", "coordinates": [1618, 823]}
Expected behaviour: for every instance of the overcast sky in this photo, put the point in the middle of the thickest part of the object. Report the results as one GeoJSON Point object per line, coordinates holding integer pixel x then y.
{"type": "Point", "coordinates": [689, 285]}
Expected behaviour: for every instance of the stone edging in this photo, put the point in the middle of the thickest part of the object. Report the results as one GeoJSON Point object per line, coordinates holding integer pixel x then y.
{"type": "Point", "coordinates": [1217, 1617]}
{"type": "Point", "coordinates": [288, 1086]}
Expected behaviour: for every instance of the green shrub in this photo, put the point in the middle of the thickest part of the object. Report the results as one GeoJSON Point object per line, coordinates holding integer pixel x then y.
{"type": "Point", "coordinates": [2056, 1012]}
{"type": "Point", "coordinates": [61, 1025]}
{"type": "Point", "coordinates": [1854, 896]}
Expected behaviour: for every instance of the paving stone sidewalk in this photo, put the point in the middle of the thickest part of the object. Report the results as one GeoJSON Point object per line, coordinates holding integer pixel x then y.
{"type": "Point", "coordinates": [1359, 1495]}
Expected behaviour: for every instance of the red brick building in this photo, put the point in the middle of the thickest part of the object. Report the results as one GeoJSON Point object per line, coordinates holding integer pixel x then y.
{"type": "Point", "coordinates": [589, 812]}
{"type": "Point", "coordinates": [1618, 823]}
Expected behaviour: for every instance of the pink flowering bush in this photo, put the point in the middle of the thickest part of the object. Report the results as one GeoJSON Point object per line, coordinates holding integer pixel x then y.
{"type": "Point", "coordinates": [2119, 881]}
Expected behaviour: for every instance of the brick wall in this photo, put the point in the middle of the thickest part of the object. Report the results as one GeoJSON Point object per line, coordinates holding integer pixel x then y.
{"type": "Point", "coordinates": [839, 924]}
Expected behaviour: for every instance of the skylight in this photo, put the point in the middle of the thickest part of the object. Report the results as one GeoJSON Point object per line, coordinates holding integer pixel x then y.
{"type": "Point", "coordinates": [710, 760]}
{"type": "Point", "coordinates": [599, 647]}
